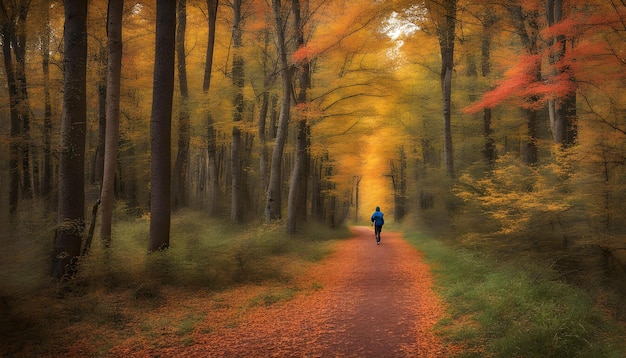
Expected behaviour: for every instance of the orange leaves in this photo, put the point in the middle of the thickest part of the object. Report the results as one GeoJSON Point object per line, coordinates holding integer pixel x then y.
{"type": "Point", "coordinates": [580, 49]}
{"type": "Point", "coordinates": [342, 21]}
{"type": "Point", "coordinates": [520, 83]}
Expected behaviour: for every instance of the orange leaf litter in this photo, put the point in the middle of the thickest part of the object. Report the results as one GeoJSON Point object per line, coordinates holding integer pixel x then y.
{"type": "Point", "coordinates": [364, 300]}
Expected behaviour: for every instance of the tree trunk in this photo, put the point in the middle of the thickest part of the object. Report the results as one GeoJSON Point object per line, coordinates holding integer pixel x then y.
{"type": "Point", "coordinates": [98, 162]}
{"type": "Point", "coordinates": [160, 126]}
{"type": "Point", "coordinates": [114, 44]}
{"type": "Point", "coordinates": [71, 205]}
{"type": "Point", "coordinates": [444, 16]}
{"type": "Point", "coordinates": [489, 148]}
{"type": "Point", "coordinates": [7, 35]}
{"type": "Point", "coordinates": [298, 187]}
{"type": "Point", "coordinates": [237, 182]}
{"type": "Point", "coordinates": [274, 191]}
{"type": "Point", "coordinates": [46, 183]}
{"type": "Point", "coordinates": [526, 25]}
{"type": "Point", "coordinates": [182, 156]}
{"type": "Point", "coordinates": [262, 129]}
{"type": "Point", "coordinates": [19, 48]}
{"type": "Point", "coordinates": [211, 144]}
{"type": "Point", "coordinates": [562, 110]}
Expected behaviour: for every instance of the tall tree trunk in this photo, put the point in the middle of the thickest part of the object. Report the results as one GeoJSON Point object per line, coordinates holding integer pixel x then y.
{"type": "Point", "coordinates": [182, 156]}
{"type": "Point", "coordinates": [489, 148]}
{"type": "Point", "coordinates": [263, 151]}
{"type": "Point", "coordinates": [274, 191]}
{"type": "Point", "coordinates": [160, 126]}
{"type": "Point", "coordinates": [298, 187]}
{"type": "Point", "coordinates": [562, 110]}
{"type": "Point", "coordinates": [114, 44]}
{"type": "Point", "coordinates": [98, 162]}
{"type": "Point", "coordinates": [71, 205]}
{"type": "Point", "coordinates": [237, 146]}
{"type": "Point", "coordinates": [527, 27]}
{"type": "Point", "coordinates": [8, 32]}
{"type": "Point", "coordinates": [19, 48]}
{"type": "Point", "coordinates": [211, 143]}
{"type": "Point", "coordinates": [46, 183]}
{"type": "Point", "coordinates": [262, 124]}
{"type": "Point", "coordinates": [444, 16]}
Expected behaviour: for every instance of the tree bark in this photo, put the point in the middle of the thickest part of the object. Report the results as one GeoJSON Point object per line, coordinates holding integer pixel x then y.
{"type": "Point", "coordinates": [211, 144]}
{"type": "Point", "coordinates": [7, 36]}
{"type": "Point", "coordinates": [71, 205]}
{"type": "Point", "coordinates": [19, 48]}
{"type": "Point", "coordinates": [115, 47]}
{"type": "Point", "coordinates": [562, 110]}
{"type": "Point", "coordinates": [98, 162]}
{"type": "Point", "coordinates": [237, 181]}
{"type": "Point", "coordinates": [46, 184]}
{"type": "Point", "coordinates": [527, 27]}
{"type": "Point", "coordinates": [489, 148]}
{"type": "Point", "coordinates": [444, 16]}
{"type": "Point", "coordinates": [160, 126]}
{"type": "Point", "coordinates": [182, 156]}
{"type": "Point", "coordinates": [274, 191]}
{"type": "Point", "coordinates": [298, 187]}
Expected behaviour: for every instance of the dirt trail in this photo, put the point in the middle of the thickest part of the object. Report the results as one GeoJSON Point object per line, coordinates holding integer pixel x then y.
{"type": "Point", "coordinates": [374, 301]}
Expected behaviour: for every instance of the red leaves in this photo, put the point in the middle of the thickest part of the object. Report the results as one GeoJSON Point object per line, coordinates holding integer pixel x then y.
{"type": "Point", "coordinates": [576, 51]}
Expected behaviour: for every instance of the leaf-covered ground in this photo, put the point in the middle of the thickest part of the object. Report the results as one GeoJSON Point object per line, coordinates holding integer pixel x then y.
{"type": "Point", "coordinates": [365, 300]}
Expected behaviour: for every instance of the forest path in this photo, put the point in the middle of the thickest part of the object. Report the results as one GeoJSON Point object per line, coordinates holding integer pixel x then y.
{"type": "Point", "coordinates": [374, 301]}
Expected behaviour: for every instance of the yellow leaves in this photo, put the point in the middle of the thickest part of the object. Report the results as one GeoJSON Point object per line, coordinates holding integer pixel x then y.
{"type": "Point", "coordinates": [517, 196]}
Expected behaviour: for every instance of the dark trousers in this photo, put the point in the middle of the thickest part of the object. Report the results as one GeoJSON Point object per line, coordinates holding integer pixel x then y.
{"type": "Point", "coordinates": [377, 230]}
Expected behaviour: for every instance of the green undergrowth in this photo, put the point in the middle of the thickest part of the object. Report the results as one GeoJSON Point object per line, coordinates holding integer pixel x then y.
{"type": "Point", "coordinates": [208, 253]}
{"type": "Point", "coordinates": [499, 309]}
{"type": "Point", "coordinates": [118, 289]}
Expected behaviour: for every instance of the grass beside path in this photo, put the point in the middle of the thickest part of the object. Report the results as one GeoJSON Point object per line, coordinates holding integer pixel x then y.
{"type": "Point", "coordinates": [501, 310]}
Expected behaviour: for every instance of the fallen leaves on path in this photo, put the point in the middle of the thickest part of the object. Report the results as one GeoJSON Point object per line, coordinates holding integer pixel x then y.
{"type": "Point", "coordinates": [365, 300]}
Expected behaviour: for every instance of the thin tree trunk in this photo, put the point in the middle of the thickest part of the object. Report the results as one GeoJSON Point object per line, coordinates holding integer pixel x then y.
{"type": "Point", "coordinates": [211, 143]}
{"type": "Point", "coordinates": [46, 184]}
{"type": "Point", "coordinates": [263, 151]}
{"type": "Point", "coordinates": [160, 126]}
{"type": "Point", "coordinates": [237, 182]}
{"type": "Point", "coordinates": [262, 125]}
{"type": "Point", "coordinates": [182, 156]}
{"type": "Point", "coordinates": [297, 187]}
{"type": "Point", "coordinates": [528, 30]}
{"type": "Point", "coordinates": [98, 162]}
{"type": "Point", "coordinates": [446, 33]}
{"type": "Point", "coordinates": [14, 174]}
{"type": "Point", "coordinates": [489, 149]}
{"type": "Point", "coordinates": [562, 110]}
{"type": "Point", "coordinates": [274, 191]}
{"type": "Point", "coordinates": [115, 46]}
{"type": "Point", "coordinates": [19, 48]}
{"type": "Point", "coordinates": [443, 14]}
{"type": "Point", "coordinates": [71, 205]}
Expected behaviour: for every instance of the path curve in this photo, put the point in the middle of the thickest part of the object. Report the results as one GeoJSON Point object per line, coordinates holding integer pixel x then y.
{"type": "Point", "coordinates": [374, 301]}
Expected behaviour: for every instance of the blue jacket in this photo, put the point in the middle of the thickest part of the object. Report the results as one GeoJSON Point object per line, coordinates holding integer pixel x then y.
{"type": "Point", "coordinates": [377, 218]}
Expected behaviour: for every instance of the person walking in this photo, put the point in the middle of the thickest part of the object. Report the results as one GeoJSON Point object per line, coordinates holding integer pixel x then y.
{"type": "Point", "coordinates": [378, 221]}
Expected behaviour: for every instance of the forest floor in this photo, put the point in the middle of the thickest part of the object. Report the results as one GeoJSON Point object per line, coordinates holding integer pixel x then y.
{"type": "Point", "coordinates": [365, 300]}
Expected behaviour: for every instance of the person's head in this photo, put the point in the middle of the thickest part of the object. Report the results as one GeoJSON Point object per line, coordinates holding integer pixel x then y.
{"type": "Point", "coordinates": [378, 208]}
